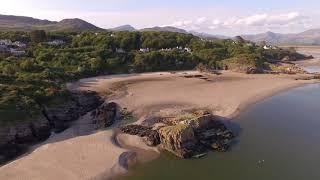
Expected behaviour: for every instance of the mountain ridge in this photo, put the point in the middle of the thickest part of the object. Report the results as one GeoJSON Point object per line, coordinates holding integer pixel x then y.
{"type": "Point", "coordinates": [165, 29]}
{"type": "Point", "coordinates": [24, 23]}
{"type": "Point", "coordinates": [308, 37]}
{"type": "Point", "coordinates": [126, 27]}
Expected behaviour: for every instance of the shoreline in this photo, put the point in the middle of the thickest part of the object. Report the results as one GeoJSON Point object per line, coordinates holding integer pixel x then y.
{"type": "Point", "coordinates": [116, 157]}
{"type": "Point", "coordinates": [246, 105]}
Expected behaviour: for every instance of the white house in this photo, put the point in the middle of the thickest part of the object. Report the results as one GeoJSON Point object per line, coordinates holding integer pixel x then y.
{"type": "Point", "coordinates": [19, 44]}
{"type": "Point", "coordinates": [6, 42]}
{"type": "Point", "coordinates": [144, 50]}
{"type": "Point", "coordinates": [16, 52]}
{"type": "Point", "coordinates": [166, 49]}
{"type": "Point", "coordinates": [187, 50]}
{"type": "Point", "coordinates": [269, 47]}
{"type": "Point", "coordinates": [56, 42]}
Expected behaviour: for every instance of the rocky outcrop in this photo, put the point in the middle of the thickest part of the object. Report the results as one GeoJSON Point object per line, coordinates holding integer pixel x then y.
{"type": "Point", "coordinates": [150, 136]}
{"type": "Point", "coordinates": [194, 133]}
{"type": "Point", "coordinates": [105, 115]}
{"type": "Point", "coordinates": [15, 138]}
{"type": "Point", "coordinates": [296, 57]}
{"type": "Point", "coordinates": [179, 139]}
{"type": "Point", "coordinates": [288, 68]}
{"type": "Point", "coordinates": [186, 135]}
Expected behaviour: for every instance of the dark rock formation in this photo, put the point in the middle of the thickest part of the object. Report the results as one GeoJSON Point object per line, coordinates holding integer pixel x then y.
{"type": "Point", "coordinates": [105, 115]}
{"type": "Point", "coordinates": [253, 70]}
{"type": "Point", "coordinates": [309, 78]}
{"type": "Point", "coordinates": [151, 137]}
{"type": "Point", "coordinates": [215, 137]}
{"type": "Point", "coordinates": [78, 105]}
{"type": "Point", "coordinates": [296, 57]}
{"type": "Point", "coordinates": [15, 139]}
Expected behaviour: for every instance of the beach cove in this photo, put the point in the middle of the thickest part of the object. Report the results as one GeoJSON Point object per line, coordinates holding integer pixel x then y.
{"type": "Point", "coordinates": [146, 95]}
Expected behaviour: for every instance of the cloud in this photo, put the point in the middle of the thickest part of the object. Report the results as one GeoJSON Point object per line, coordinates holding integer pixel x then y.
{"type": "Point", "coordinates": [253, 23]}
{"type": "Point", "coordinates": [266, 19]}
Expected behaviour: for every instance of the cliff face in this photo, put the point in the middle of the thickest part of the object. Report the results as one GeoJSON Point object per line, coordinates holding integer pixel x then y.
{"type": "Point", "coordinates": [79, 104]}
{"type": "Point", "coordinates": [15, 139]}
{"type": "Point", "coordinates": [178, 139]}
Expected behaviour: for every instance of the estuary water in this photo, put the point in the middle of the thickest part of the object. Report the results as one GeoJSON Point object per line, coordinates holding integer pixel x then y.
{"type": "Point", "coordinates": [279, 140]}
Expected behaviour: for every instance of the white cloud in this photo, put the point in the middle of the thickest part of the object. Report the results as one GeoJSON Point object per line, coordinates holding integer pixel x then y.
{"type": "Point", "coordinates": [266, 19]}
{"type": "Point", "coordinates": [252, 24]}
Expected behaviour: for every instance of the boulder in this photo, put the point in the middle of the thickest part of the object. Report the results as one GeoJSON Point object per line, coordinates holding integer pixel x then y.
{"type": "Point", "coordinates": [105, 115]}
{"type": "Point", "coordinates": [150, 137]}
{"type": "Point", "coordinates": [178, 139]}
{"type": "Point", "coordinates": [253, 70]}
{"type": "Point", "coordinates": [198, 120]}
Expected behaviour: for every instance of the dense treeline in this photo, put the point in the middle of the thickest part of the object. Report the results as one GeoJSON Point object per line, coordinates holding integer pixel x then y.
{"type": "Point", "coordinates": [30, 81]}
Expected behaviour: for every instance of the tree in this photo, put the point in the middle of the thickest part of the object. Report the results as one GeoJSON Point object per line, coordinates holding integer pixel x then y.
{"type": "Point", "coordinates": [38, 36]}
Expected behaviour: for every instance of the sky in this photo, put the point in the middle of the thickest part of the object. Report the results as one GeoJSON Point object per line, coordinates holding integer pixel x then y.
{"type": "Point", "coordinates": [223, 17]}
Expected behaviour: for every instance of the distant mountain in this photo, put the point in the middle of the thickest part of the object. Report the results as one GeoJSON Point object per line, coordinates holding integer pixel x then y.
{"type": "Point", "coordinates": [208, 36]}
{"type": "Point", "coordinates": [123, 28]}
{"type": "Point", "coordinates": [310, 37]}
{"type": "Point", "coordinates": [270, 37]}
{"type": "Point", "coordinates": [22, 23]}
{"type": "Point", "coordinates": [74, 24]}
{"type": "Point", "coordinates": [165, 29]}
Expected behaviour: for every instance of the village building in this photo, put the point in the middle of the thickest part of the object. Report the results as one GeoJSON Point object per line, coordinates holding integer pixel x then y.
{"type": "Point", "coordinates": [56, 42]}
{"type": "Point", "coordinates": [144, 50]}
{"type": "Point", "coordinates": [19, 44]}
{"type": "Point", "coordinates": [6, 42]}
{"type": "Point", "coordinates": [17, 52]}
{"type": "Point", "coordinates": [266, 47]}
{"type": "Point", "coordinates": [187, 50]}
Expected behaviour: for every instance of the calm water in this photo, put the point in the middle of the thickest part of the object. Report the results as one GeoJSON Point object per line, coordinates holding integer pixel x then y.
{"type": "Point", "coordinates": [312, 69]}
{"type": "Point", "coordinates": [283, 130]}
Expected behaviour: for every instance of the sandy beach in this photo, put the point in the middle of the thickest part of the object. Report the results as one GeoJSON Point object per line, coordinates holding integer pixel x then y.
{"type": "Point", "coordinates": [309, 50]}
{"type": "Point", "coordinates": [82, 153]}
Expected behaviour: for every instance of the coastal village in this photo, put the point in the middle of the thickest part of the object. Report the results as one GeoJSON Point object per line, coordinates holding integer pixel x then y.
{"type": "Point", "coordinates": [18, 48]}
